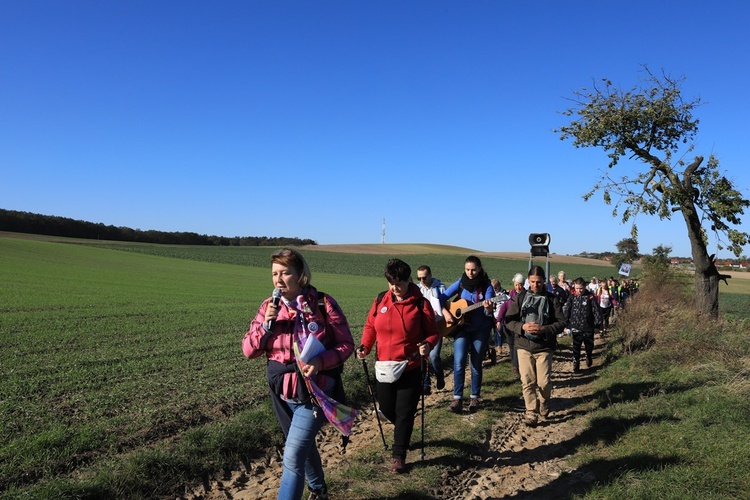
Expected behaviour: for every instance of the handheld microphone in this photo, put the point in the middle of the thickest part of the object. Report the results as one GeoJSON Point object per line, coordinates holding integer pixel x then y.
{"type": "Point", "coordinates": [275, 299]}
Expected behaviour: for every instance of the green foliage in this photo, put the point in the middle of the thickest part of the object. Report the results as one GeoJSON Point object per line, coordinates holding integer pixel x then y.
{"type": "Point", "coordinates": [26, 222]}
{"type": "Point", "coordinates": [628, 247]}
{"type": "Point", "coordinates": [649, 120]}
{"type": "Point", "coordinates": [657, 264]}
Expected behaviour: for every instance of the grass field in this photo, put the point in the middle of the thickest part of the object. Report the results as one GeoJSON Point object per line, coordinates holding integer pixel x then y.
{"type": "Point", "coordinates": [124, 355]}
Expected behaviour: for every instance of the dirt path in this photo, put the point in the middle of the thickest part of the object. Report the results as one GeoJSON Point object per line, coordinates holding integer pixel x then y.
{"type": "Point", "coordinates": [520, 461]}
{"type": "Point", "coordinates": [515, 461]}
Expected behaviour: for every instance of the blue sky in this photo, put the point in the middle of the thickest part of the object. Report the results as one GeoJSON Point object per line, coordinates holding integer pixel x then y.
{"type": "Point", "coordinates": [319, 119]}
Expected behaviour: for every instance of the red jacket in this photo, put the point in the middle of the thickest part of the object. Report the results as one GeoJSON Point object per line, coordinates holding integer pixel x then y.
{"type": "Point", "coordinates": [399, 327]}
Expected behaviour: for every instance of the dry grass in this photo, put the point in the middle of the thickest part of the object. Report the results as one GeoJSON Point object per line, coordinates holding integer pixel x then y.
{"type": "Point", "coordinates": [660, 306]}
{"type": "Point", "coordinates": [664, 313]}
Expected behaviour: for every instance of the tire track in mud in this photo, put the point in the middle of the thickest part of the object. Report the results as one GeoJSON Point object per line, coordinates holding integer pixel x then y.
{"type": "Point", "coordinates": [517, 461]}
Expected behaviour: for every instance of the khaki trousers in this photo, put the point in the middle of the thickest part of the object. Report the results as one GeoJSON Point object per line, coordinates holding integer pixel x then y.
{"type": "Point", "coordinates": [536, 373]}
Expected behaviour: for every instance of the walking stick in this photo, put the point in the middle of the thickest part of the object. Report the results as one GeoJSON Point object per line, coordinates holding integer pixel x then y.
{"type": "Point", "coordinates": [372, 394]}
{"type": "Point", "coordinates": [422, 365]}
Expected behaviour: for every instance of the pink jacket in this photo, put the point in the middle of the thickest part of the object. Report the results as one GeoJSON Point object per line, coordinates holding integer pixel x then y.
{"type": "Point", "coordinates": [503, 309]}
{"type": "Point", "coordinates": [336, 337]}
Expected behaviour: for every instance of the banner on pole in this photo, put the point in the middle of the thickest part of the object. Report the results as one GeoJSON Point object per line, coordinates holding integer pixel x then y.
{"type": "Point", "coordinates": [625, 269]}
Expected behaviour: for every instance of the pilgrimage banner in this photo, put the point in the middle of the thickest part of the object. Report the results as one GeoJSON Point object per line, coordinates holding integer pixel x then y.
{"type": "Point", "coordinates": [625, 269]}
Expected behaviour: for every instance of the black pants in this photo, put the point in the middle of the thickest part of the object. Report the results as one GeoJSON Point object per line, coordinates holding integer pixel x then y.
{"type": "Point", "coordinates": [398, 402]}
{"type": "Point", "coordinates": [606, 313]}
{"type": "Point", "coordinates": [585, 338]}
{"type": "Point", "coordinates": [511, 340]}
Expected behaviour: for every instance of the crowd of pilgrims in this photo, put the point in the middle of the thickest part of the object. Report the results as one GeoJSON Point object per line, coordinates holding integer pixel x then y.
{"type": "Point", "coordinates": [305, 338]}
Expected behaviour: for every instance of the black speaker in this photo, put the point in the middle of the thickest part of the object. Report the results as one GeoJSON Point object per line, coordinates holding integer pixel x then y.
{"type": "Point", "coordinates": [539, 244]}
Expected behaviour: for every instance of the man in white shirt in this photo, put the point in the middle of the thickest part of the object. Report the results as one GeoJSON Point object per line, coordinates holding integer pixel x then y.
{"type": "Point", "coordinates": [431, 289]}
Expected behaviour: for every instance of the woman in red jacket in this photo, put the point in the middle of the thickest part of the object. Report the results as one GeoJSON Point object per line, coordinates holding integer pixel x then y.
{"type": "Point", "coordinates": [403, 325]}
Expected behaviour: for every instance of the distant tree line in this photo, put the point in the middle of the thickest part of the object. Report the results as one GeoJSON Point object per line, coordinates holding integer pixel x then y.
{"type": "Point", "coordinates": [51, 225]}
{"type": "Point", "coordinates": [596, 255]}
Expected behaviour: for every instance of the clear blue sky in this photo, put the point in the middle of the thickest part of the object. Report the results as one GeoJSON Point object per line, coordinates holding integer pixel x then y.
{"type": "Point", "coordinates": [319, 119]}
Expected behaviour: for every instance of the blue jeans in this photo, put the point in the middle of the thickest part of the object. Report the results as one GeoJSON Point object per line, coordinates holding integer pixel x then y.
{"type": "Point", "coordinates": [497, 337]}
{"type": "Point", "coordinates": [474, 344]}
{"type": "Point", "coordinates": [301, 457]}
{"type": "Point", "coordinates": [435, 361]}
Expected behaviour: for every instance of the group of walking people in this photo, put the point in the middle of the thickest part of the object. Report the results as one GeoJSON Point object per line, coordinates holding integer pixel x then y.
{"type": "Point", "coordinates": [406, 325]}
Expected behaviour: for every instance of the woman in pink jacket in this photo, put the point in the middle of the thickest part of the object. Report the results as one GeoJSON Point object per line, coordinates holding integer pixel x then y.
{"type": "Point", "coordinates": [402, 323]}
{"type": "Point", "coordinates": [294, 313]}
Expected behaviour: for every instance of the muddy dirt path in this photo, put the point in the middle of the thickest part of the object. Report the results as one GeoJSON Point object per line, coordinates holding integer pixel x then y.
{"type": "Point", "coordinates": [515, 460]}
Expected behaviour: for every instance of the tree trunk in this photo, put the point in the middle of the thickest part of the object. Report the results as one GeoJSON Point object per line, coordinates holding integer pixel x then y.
{"type": "Point", "coordinates": [706, 275]}
{"type": "Point", "coordinates": [707, 290]}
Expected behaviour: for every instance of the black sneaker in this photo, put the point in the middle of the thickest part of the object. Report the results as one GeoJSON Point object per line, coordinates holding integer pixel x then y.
{"type": "Point", "coordinates": [493, 356]}
{"type": "Point", "coordinates": [426, 390]}
{"type": "Point", "coordinates": [589, 362]}
{"type": "Point", "coordinates": [576, 366]}
{"type": "Point", "coordinates": [319, 494]}
{"type": "Point", "coordinates": [440, 381]}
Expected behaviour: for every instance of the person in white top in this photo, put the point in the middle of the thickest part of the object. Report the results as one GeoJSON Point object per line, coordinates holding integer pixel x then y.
{"type": "Point", "coordinates": [431, 289]}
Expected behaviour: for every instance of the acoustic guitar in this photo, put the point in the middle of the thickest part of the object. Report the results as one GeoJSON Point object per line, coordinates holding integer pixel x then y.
{"type": "Point", "coordinates": [459, 308]}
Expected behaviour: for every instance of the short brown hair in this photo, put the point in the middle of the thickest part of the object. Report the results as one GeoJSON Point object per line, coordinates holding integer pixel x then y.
{"type": "Point", "coordinates": [292, 258]}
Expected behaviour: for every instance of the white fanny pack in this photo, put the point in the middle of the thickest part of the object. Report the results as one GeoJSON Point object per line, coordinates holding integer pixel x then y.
{"type": "Point", "coordinates": [388, 372]}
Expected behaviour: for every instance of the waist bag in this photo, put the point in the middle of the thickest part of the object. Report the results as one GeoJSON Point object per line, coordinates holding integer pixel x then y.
{"type": "Point", "coordinates": [388, 372]}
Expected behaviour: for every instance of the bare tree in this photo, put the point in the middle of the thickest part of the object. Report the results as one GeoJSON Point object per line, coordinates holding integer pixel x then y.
{"type": "Point", "coordinates": [650, 123]}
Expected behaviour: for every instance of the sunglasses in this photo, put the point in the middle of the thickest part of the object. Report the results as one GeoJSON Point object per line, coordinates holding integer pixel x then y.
{"type": "Point", "coordinates": [423, 278]}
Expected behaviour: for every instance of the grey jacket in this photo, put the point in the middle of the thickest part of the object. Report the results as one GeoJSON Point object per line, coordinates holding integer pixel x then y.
{"type": "Point", "coordinates": [553, 324]}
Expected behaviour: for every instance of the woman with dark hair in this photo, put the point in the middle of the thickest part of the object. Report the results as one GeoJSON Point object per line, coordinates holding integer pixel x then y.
{"type": "Point", "coordinates": [292, 316]}
{"type": "Point", "coordinates": [402, 323]}
{"type": "Point", "coordinates": [473, 333]}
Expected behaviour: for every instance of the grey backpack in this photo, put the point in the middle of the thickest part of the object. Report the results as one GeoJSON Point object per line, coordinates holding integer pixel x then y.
{"type": "Point", "coordinates": [534, 309]}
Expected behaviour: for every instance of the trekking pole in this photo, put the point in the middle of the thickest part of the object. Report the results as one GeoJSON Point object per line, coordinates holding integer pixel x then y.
{"type": "Point", "coordinates": [422, 366]}
{"type": "Point", "coordinates": [372, 395]}
{"type": "Point", "coordinates": [422, 362]}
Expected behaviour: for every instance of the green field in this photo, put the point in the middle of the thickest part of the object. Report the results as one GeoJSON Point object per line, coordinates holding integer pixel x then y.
{"type": "Point", "coordinates": [132, 352]}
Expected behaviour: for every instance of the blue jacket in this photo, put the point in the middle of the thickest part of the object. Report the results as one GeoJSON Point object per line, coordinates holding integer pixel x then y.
{"type": "Point", "coordinates": [478, 319]}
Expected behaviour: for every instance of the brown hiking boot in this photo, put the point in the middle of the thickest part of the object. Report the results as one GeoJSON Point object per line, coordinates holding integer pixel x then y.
{"type": "Point", "coordinates": [516, 373]}
{"type": "Point", "coordinates": [474, 404]}
{"type": "Point", "coordinates": [397, 465]}
{"type": "Point", "coordinates": [456, 406]}
{"type": "Point", "coordinates": [530, 420]}
{"type": "Point", "coordinates": [544, 409]}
